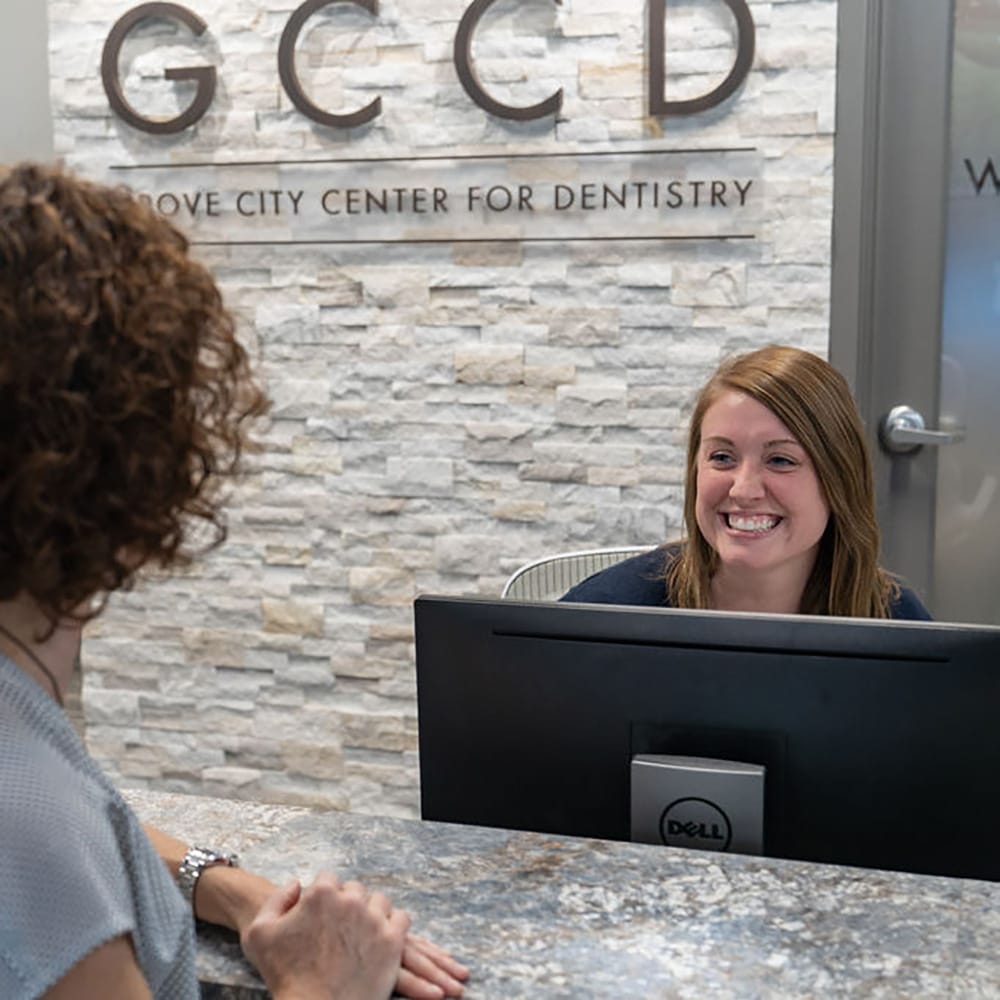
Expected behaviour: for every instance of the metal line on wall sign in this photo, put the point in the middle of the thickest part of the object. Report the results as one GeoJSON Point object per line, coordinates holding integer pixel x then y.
{"type": "Point", "coordinates": [689, 238]}
{"type": "Point", "coordinates": [341, 160]}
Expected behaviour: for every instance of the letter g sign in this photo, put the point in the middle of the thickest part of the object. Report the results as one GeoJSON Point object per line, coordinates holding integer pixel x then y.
{"type": "Point", "coordinates": [203, 75]}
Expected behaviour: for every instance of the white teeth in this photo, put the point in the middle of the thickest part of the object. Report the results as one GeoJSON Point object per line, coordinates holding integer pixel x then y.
{"type": "Point", "coordinates": [748, 522]}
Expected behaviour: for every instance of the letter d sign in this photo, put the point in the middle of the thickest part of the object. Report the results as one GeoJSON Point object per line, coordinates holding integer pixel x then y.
{"type": "Point", "coordinates": [659, 106]}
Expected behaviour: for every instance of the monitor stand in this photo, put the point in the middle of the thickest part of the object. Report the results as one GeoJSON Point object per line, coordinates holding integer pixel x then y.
{"type": "Point", "coordinates": [700, 802]}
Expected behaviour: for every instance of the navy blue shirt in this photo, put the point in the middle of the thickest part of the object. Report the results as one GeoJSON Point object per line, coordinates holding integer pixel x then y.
{"type": "Point", "coordinates": [640, 581]}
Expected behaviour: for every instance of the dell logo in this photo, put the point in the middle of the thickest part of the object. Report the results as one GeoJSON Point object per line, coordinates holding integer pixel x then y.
{"type": "Point", "coordinates": [677, 829]}
{"type": "Point", "coordinates": [695, 822]}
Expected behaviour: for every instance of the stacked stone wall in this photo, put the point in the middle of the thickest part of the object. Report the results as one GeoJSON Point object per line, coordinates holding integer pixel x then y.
{"type": "Point", "coordinates": [441, 412]}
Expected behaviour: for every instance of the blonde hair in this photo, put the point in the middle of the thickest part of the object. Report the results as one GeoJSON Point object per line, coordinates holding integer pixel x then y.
{"type": "Point", "coordinates": [813, 400]}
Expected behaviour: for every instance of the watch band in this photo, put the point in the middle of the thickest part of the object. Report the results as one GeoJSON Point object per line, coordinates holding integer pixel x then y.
{"type": "Point", "coordinates": [195, 862]}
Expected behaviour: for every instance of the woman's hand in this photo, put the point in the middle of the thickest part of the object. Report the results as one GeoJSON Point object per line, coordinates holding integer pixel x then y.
{"type": "Point", "coordinates": [426, 972]}
{"type": "Point", "coordinates": [327, 941]}
{"type": "Point", "coordinates": [233, 897]}
{"type": "Point", "coordinates": [429, 972]}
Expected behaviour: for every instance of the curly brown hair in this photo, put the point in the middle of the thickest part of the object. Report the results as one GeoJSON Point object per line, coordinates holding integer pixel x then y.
{"type": "Point", "coordinates": [124, 393]}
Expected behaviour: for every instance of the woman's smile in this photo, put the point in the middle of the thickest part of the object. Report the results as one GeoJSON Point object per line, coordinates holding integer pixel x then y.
{"type": "Point", "coordinates": [753, 524]}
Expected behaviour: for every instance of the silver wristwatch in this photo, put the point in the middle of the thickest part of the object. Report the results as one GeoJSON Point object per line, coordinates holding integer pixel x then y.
{"type": "Point", "coordinates": [195, 862]}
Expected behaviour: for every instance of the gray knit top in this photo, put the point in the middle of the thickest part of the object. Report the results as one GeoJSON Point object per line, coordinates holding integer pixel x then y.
{"type": "Point", "coordinates": [76, 869]}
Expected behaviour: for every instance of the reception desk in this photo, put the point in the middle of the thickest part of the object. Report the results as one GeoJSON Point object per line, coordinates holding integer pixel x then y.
{"type": "Point", "coordinates": [542, 916]}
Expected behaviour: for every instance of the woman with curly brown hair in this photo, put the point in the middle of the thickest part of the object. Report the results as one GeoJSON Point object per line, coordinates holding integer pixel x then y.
{"type": "Point", "coordinates": [779, 504]}
{"type": "Point", "coordinates": [125, 402]}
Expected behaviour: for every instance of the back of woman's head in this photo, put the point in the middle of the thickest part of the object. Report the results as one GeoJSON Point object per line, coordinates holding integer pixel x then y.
{"type": "Point", "coordinates": [124, 393]}
{"type": "Point", "coordinates": [813, 400]}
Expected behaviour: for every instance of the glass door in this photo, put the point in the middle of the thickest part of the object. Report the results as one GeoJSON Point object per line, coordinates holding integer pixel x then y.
{"type": "Point", "coordinates": [966, 583]}
{"type": "Point", "coordinates": [916, 284]}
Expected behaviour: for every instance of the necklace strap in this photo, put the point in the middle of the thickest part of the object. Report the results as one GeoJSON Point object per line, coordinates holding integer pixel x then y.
{"type": "Point", "coordinates": [37, 660]}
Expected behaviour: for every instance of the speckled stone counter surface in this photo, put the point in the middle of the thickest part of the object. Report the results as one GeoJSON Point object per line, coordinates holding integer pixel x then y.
{"type": "Point", "coordinates": [540, 916]}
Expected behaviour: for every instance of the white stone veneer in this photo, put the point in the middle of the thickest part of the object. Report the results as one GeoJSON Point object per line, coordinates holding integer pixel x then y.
{"type": "Point", "coordinates": [442, 413]}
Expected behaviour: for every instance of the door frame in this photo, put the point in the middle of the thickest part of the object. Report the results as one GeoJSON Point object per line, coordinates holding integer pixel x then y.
{"type": "Point", "coordinates": [891, 156]}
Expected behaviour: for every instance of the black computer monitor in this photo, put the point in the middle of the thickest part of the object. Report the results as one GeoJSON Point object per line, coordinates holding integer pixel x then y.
{"type": "Point", "coordinates": [881, 740]}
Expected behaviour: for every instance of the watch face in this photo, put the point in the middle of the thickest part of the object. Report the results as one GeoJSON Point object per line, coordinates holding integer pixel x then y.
{"type": "Point", "coordinates": [195, 862]}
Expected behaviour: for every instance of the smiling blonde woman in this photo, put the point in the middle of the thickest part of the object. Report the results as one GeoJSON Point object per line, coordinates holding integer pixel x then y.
{"type": "Point", "coordinates": [779, 506]}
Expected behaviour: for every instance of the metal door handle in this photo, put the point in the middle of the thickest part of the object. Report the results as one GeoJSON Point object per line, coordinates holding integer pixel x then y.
{"type": "Point", "coordinates": [902, 430]}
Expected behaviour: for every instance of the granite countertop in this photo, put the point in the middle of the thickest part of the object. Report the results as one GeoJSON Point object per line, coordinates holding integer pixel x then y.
{"type": "Point", "coordinates": [539, 916]}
